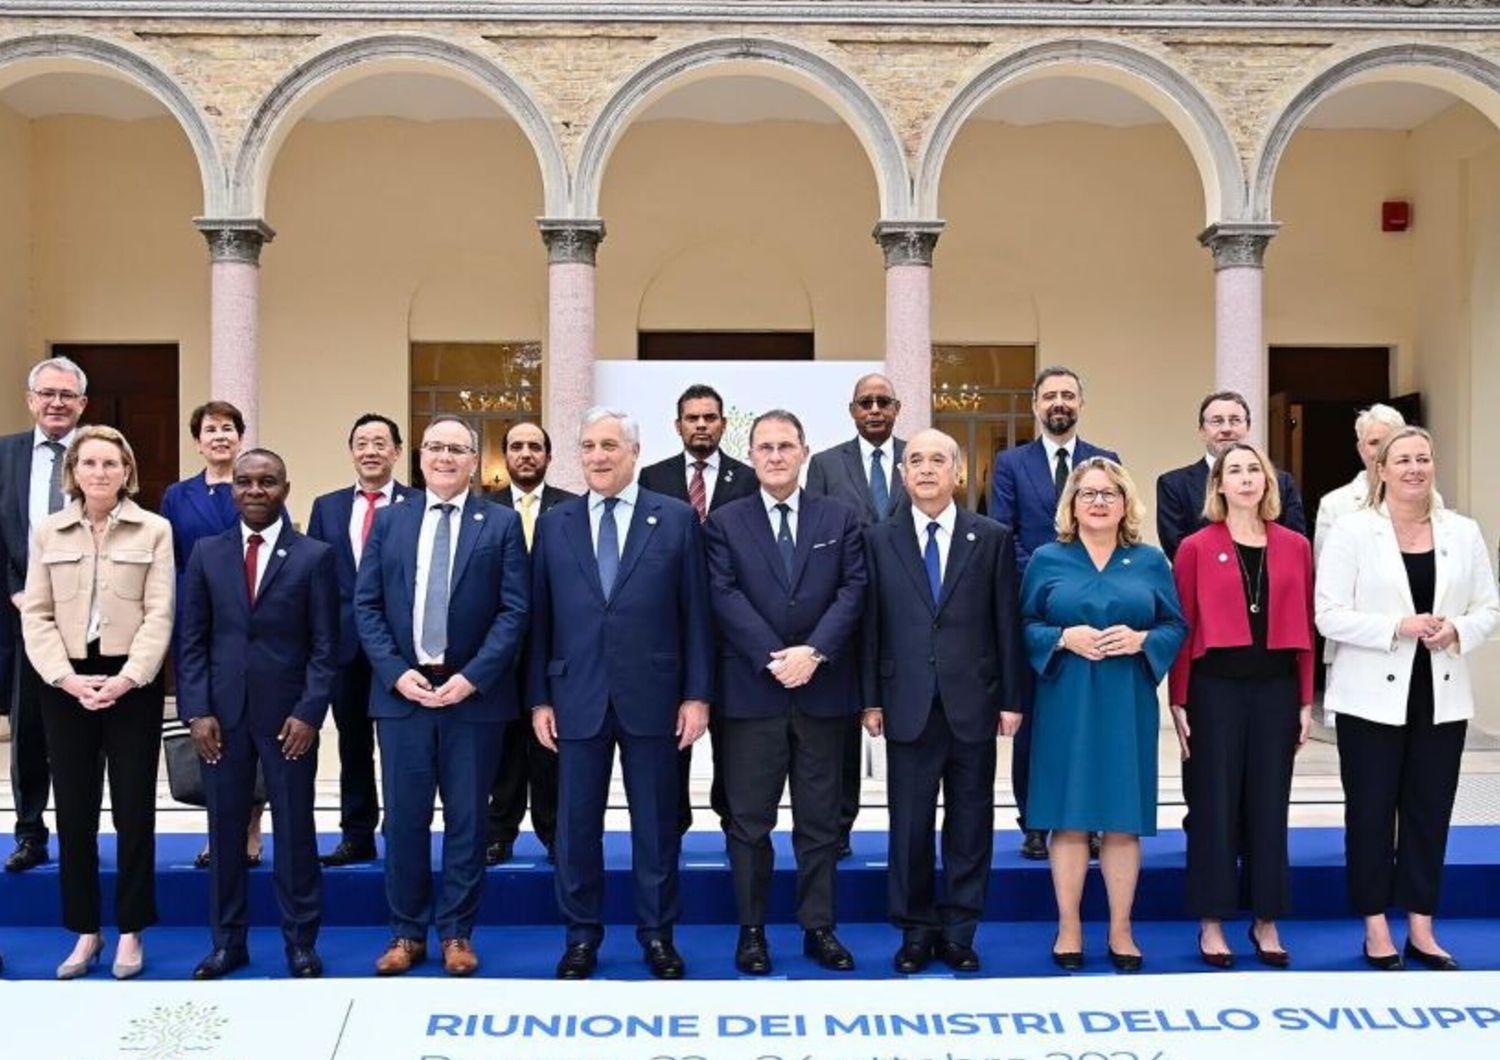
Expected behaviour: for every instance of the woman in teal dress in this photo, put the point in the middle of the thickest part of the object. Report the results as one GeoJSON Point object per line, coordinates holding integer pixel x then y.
{"type": "Point", "coordinates": [1103, 626]}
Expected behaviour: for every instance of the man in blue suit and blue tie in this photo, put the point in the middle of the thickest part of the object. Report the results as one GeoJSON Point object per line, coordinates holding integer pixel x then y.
{"type": "Point", "coordinates": [1023, 496]}
{"type": "Point", "coordinates": [622, 654]}
{"type": "Point", "coordinates": [787, 571]}
{"type": "Point", "coordinates": [441, 604]}
{"type": "Point", "coordinates": [258, 633]}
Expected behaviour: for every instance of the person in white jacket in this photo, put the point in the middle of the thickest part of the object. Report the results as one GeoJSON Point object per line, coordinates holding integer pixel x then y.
{"type": "Point", "coordinates": [1406, 591]}
{"type": "Point", "coordinates": [1371, 427]}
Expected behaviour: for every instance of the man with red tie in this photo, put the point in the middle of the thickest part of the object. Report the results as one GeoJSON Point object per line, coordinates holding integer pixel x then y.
{"type": "Point", "coordinates": [343, 520]}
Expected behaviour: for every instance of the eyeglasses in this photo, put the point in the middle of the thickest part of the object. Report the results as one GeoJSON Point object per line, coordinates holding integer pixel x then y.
{"type": "Point", "coordinates": [875, 401]}
{"type": "Point", "coordinates": [450, 448]}
{"type": "Point", "coordinates": [65, 396]}
{"type": "Point", "coordinates": [769, 449]}
{"type": "Point", "coordinates": [1225, 421]}
{"type": "Point", "coordinates": [1092, 496]}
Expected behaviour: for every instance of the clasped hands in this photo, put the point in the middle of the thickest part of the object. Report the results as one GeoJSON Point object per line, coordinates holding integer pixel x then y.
{"type": "Point", "coordinates": [1434, 631]}
{"type": "Point", "coordinates": [692, 723]}
{"type": "Point", "coordinates": [793, 666]}
{"type": "Point", "coordinates": [1095, 644]}
{"type": "Point", "coordinates": [296, 738]}
{"type": "Point", "coordinates": [96, 691]}
{"type": "Point", "coordinates": [420, 691]}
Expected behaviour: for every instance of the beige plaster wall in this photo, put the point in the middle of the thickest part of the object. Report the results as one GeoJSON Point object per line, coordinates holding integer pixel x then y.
{"type": "Point", "coordinates": [15, 263]}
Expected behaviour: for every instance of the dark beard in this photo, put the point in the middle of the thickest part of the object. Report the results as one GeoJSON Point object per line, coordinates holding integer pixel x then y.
{"type": "Point", "coordinates": [1061, 422]}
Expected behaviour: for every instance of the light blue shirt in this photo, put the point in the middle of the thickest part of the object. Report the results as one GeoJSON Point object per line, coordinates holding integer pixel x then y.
{"type": "Point", "coordinates": [623, 512]}
{"type": "Point", "coordinates": [41, 476]}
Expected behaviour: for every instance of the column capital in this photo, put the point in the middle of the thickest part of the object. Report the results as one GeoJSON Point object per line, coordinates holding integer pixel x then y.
{"type": "Point", "coordinates": [235, 239]}
{"type": "Point", "coordinates": [907, 242]}
{"type": "Point", "coordinates": [571, 241]}
{"type": "Point", "coordinates": [1238, 244]}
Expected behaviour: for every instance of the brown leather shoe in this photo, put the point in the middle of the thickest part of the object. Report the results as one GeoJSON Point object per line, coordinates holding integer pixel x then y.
{"type": "Point", "coordinates": [400, 956]}
{"type": "Point", "coordinates": [459, 957]}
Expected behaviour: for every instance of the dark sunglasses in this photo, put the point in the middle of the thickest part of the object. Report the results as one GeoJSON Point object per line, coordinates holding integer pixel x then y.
{"type": "Point", "coordinates": [873, 401]}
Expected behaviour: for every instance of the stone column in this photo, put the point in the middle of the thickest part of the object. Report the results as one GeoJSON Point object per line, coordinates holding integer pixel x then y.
{"type": "Point", "coordinates": [569, 364]}
{"type": "Point", "coordinates": [908, 247]}
{"type": "Point", "coordinates": [1240, 360]}
{"type": "Point", "coordinates": [234, 307]}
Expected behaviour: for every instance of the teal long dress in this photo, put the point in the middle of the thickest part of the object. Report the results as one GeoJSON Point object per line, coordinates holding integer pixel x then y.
{"type": "Point", "coordinates": [1094, 745]}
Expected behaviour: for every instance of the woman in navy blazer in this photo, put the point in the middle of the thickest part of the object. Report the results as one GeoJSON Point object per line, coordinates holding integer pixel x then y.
{"type": "Point", "coordinates": [1241, 694]}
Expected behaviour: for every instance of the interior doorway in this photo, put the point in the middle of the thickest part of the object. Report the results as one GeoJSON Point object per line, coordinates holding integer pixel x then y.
{"type": "Point", "coordinates": [724, 346]}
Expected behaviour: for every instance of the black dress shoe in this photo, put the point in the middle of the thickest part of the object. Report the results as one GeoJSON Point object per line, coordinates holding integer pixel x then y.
{"type": "Point", "coordinates": [1434, 962]}
{"type": "Point", "coordinates": [578, 961]}
{"type": "Point", "coordinates": [303, 962]}
{"type": "Point", "coordinates": [499, 852]}
{"type": "Point", "coordinates": [1221, 959]}
{"type": "Point", "coordinates": [957, 955]}
{"type": "Point", "coordinates": [1270, 958]}
{"type": "Point", "coordinates": [823, 946]}
{"type": "Point", "coordinates": [913, 956]}
{"type": "Point", "coordinates": [1390, 962]}
{"type": "Point", "coordinates": [220, 963]}
{"type": "Point", "coordinates": [1126, 962]}
{"type": "Point", "coordinates": [752, 956]}
{"type": "Point", "coordinates": [29, 853]}
{"type": "Point", "coordinates": [1096, 843]}
{"type": "Point", "coordinates": [349, 852]}
{"type": "Point", "coordinates": [1034, 845]}
{"type": "Point", "coordinates": [663, 959]}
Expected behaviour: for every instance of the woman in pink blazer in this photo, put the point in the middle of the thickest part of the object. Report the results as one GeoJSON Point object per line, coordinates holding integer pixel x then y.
{"type": "Point", "coordinates": [1241, 694]}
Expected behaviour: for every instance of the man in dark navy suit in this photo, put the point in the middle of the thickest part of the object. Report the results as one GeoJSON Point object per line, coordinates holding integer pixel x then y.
{"type": "Point", "coordinates": [258, 632]}
{"type": "Point", "coordinates": [707, 478]}
{"type": "Point", "coordinates": [441, 604]}
{"type": "Point", "coordinates": [943, 676]}
{"type": "Point", "coordinates": [1024, 488]}
{"type": "Point", "coordinates": [528, 771]}
{"type": "Point", "coordinates": [787, 572]}
{"type": "Point", "coordinates": [1223, 419]}
{"type": "Point", "coordinates": [343, 520]}
{"type": "Point", "coordinates": [622, 644]}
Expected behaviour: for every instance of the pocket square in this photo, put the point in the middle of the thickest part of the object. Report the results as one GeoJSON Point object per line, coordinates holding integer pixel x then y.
{"type": "Point", "coordinates": [825, 544]}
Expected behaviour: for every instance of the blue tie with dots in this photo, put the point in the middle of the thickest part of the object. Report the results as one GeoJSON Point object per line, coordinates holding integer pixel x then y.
{"type": "Point", "coordinates": [435, 609]}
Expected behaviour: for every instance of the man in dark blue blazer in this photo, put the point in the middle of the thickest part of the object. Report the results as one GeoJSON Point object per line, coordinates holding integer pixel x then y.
{"type": "Point", "coordinates": [441, 603]}
{"type": "Point", "coordinates": [787, 571]}
{"type": "Point", "coordinates": [343, 520]}
{"type": "Point", "coordinates": [1024, 488]}
{"type": "Point", "coordinates": [622, 645]}
{"type": "Point", "coordinates": [1223, 419]}
{"type": "Point", "coordinates": [943, 674]}
{"type": "Point", "coordinates": [258, 639]}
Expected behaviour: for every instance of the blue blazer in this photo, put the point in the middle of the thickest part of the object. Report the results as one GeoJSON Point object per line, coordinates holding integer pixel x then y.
{"type": "Point", "coordinates": [257, 665]}
{"type": "Point", "coordinates": [1023, 494]}
{"type": "Point", "coordinates": [329, 523]}
{"type": "Point", "coordinates": [488, 600]}
{"type": "Point", "coordinates": [760, 611]}
{"type": "Point", "coordinates": [642, 652]}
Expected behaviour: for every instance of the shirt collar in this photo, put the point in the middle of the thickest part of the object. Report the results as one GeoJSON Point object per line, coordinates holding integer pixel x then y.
{"type": "Point", "coordinates": [516, 492]}
{"type": "Point", "coordinates": [711, 461]}
{"type": "Point", "coordinates": [794, 502]}
{"type": "Point", "coordinates": [1051, 447]}
{"type": "Point", "coordinates": [433, 499]}
{"type": "Point", "coordinates": [627, 496]}
{"type": "Point", "coordinates": [1210, 458]}
{"type": "Point", "coordinates": [888, 447]}
{"type": "Point", "coordinates": [389, 489]}
{"type": "Point", "coordinates": [268, 535]}
{"type": "Point", "coordinates": [945, 518]}
{"type": "Point", "coordinates": [39, 438]}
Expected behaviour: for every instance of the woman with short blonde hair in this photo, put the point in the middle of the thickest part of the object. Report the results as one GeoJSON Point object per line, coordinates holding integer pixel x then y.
{"type": "Point", "coordinates": [1134, 510]}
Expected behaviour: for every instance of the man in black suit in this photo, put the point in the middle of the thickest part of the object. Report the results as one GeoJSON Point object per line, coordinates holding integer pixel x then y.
{"type": "Point", "coordinates": [943, 674]}
{"type": "Point", "coordinates": [31, 464]}
{"type": "Point", "coordinates": [1223, 419]}
{"type": "Point", "coordinates": [343, 520]}
{"type": "Point", "coordinates": [526, 767]}
{"type": "Point", "coordinates": [787, 574]}
{"type": "Point", "coordinates": [862, 473]}
{"type": "Point", "coordinates": [706, 477]}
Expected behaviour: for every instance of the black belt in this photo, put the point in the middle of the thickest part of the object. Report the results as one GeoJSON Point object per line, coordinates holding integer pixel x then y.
{"type": "Point", "coordinates": [436, 673]}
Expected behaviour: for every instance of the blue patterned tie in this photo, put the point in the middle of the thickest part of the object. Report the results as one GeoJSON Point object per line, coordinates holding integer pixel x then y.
{"type": "Point", "coordinates": [608, 549]}
{"type": "Point", "coordinates": [784, 540]}
{"type": "Point", "coordinates": [435, 610]}
{"type": "Point", "coordinates": [934, 562]}
{"type": "Point", "coordinates": [880, 491]}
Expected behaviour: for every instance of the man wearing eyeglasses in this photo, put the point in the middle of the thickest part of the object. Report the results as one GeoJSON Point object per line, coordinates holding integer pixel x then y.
{"type": "Point", "coordinates": [31, 465]}
{"type": "Point", "coordinates": [441, 603]}
{"type": "Point", "coordinates": [1223, 419]}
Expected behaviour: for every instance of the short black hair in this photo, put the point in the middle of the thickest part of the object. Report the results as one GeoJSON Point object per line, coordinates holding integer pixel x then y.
{"type": "Point", "coordinates": [269, 454]}
{"type": "Point", "coordinates": [1056, 369]}
{"type": "Point", "coordinates": [783, 416]}
{"type": "Point", "coordinates": [221, 409]}
{"type": "Point", "coordinates": [1223, 395]}
{"type": "Point", "coordinates": [696, 392]}
{"type": "Point", "coordinates": [546, 438]}
{"type": "Point", "coordinates": [375, 417]}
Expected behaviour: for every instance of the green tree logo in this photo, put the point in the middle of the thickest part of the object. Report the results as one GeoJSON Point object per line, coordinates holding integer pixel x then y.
{"type": "Point", "coordinates": [174, 1032]}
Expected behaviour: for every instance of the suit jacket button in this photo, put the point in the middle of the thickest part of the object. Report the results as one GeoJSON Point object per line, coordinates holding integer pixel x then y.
{"type": "Point", "coordinates": [1446, 676]}
{"type": "Point", "coordinates": [932, 660]}
{"type": "Point", "coordinates": [937, 625]}
{"type": "Point", "coordinates": [1390, 677]}
{"type": "Point", "coordinates": [792, 602]}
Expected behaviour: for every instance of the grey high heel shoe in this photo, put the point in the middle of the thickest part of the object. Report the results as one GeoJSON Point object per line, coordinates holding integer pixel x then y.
{"type": "Point", "coordinates": [74, 969]}
{"type": "Point", "coordinates": [129, 970]}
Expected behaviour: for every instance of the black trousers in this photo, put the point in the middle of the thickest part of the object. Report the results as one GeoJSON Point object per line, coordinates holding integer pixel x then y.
{"type": "Point", "coordinates": [1399, 786]}
{"type": "Point", "coordinates": [760, 756]}
{"type": "Point", "coordinates": [527, 773]}
{"type": "Point", "coordinates": [30, 776]}
{"type": "Point", "coordinates": [126, 739]}
{"type": "Point", "coordinates": [964, 773]}
{"type": "Point", "coordinates": [716, 799]}
{"type": "Point", "coordinates": [359, 802]}
{"type": "Point", "coordinates": [1243, 745]}
{"type": "Point", "coordinates": [854, 768]}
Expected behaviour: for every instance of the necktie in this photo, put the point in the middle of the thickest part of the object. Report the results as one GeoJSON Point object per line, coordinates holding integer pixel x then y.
{"type": "Point", "coordinates": [252, 563]}
{"type": "Point", "coordinates": [1060, 474]}
{"type": "Point", "coordinates": [880, 492]}
{"type": "Point", "coordinates": [371, 498]}
{"type": "Point", "coordinates": [54, 485]}
{"type": "Point", "coordinates": [435, 611]}
{"type": "Point", "coordinates": [784, 540]}
{"type": "Point", "coordinates": [934, 562]}
{"type": "Point", "coordinates": [697, 491]}
{"type": "Point", "coordinates": [528, 517]}
{"type": "Point", "coordinates": [608, 549]}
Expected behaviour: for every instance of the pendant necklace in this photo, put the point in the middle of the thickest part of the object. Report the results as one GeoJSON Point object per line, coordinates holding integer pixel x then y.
{"type": "Point", "coordinates": [1252, 590]}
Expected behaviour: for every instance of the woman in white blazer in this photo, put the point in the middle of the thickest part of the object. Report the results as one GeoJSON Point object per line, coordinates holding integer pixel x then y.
{"type": "Point", "coordinates": [1405, 590]}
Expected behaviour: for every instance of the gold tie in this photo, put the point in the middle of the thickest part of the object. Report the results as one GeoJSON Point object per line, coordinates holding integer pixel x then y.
{"type": "Point", "coordinates": [528, 517]}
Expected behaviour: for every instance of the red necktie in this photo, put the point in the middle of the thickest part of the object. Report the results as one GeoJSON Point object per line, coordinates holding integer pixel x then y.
{"type": "Point", "coordinates": [370, 498]}
{"type": "Point", "coordinates": [252, 555]}
{"type": "Point", "coordinates": [697, 494]}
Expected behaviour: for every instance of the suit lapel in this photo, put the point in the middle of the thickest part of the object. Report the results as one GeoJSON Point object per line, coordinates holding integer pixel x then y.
{"type": "Point", "coordinates": [343, 510]}
{"type": "Point", "coordinates": [1390, 555]}
{"type": "Point", "coordinates": [960, 549]}
{"type": "Point", "coordinates": [809, 531]}
{"type": "Point", "coordinates": [642, 524]}
{"type": "Point", "coordinates": [197, 496]}
{"type": "Point", "coordinates": [729, 470]}
{"type": "Point", "coordinates": [1041, 475]}
{"type": "Point", "coordinates": [898, 482]}
{"type": "Point", "coordinates": [274, 559]}
{"type": "Point", "coordinates": [911, 559]}
{"type": "Point", "coordinates": [21, 475]}
{"type": "Point", "coordinates": [575, 526]}
{"type": "Point", "coordinates": [470, 526]}
{"type": "Point", "coordinates": [759, 528]}
{"type": "Point", "coordinates": [409, 525]}
{"type": "Point", "coordinates": [1197, 489]}
{"type": "Point", "coordinates": [1442, 565]}
{"type": "Point", "coordinates": [855, 465]}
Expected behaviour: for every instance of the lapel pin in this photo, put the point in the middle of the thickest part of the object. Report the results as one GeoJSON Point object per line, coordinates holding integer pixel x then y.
{"type": "Point", "coordinates": [281, 552]}
{"type": "Point", "coordinates": [1223, 557]}
{"type": "Point", "coordinates": [1125, 561]}
{"type": "Point", "coordinates": [729, 474]}
{"type": "Point", "coordinates": [479, 517]}
{"type": "Point", "coordinates": [650, 520]}
{"type": "Point", "coordinates": [400, 498]}
{"type": "Point", "coordinates": [970, 535]}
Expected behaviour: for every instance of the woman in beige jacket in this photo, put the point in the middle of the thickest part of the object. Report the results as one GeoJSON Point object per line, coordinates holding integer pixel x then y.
{"type": "Point", "coordinates": [97, 621]}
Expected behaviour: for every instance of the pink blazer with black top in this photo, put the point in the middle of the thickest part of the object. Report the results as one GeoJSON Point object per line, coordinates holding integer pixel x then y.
{"type": "Point", "coordinates": [1212, 591]}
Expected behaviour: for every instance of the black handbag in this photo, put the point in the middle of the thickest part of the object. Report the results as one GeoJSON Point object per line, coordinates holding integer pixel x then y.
{"type": "Point", "coordinates": [185, 768]}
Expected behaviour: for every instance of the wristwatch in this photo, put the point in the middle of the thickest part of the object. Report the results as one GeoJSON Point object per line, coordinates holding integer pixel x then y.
{"type": "Point", "coordinates": [818, 657]}
{"type": "Point", "coordinates": [1062, 641]}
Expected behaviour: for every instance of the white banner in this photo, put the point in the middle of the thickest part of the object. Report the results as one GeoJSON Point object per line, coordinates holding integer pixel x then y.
{"type": "Point", "coordinates": [1288, 1016]}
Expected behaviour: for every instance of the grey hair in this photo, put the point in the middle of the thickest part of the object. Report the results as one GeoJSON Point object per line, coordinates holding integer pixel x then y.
{"type": "Point", "coordinates": [61, 364]}
{"type": "Point", "coordinates": [629, 429]}
{"type": "Point", "coordinates": [1377, 413]}
{"type": "Point", "coordinates": [949, 443]}
{"type": "Point", "coordinates": [465, 424]}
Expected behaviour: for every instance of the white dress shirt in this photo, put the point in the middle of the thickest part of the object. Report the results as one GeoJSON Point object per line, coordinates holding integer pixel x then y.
{"type": "Point", "coordinates": [357, 515]}
{"type": "Point", "coordinates": [41, 475]}
{"type": "Point", "coordinates": [945, 520]}
{"type": "Point", "coordinates": [267, 549]}
{"type": "Point", "coordinates": [430, 517]}
{"type": "Point", "coordinates": [710, 475]}
{"type": "Point", "coordinates": [1051, 448]}
{"type": "Point", "coordinates": [793, 502]}
{"type": "Point", "coordinates": [887, 459]}
{"type": "Point", "coordinates": [623, 511]}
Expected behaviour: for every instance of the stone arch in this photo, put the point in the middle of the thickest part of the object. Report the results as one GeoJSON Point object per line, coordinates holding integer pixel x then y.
{"type": "Point", "coordinates": [329, 71]}
{"type": "Point", "coordinates": [1143, 75]}
{"type": "Point", "coordinates": [1466, 76]}
{"type": "Point", "coordinates": [68, 52]}
{"type": "Point", "coordinates": [807, 70]}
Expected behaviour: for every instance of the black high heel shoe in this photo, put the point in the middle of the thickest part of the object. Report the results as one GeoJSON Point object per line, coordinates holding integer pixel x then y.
{"type": "Point", "coordinates": [1270, 958]}
{"type": "Point", "coordinates": [1435, 962]}
{"type": "Point", "coordinates": [1391, 962]}
{"type": "Point", "coordinates": [1214, 960]}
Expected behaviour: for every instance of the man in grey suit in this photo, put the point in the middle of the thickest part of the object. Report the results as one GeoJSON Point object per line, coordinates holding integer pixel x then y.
{"type": "Point", "coordinates": [862, 473]}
